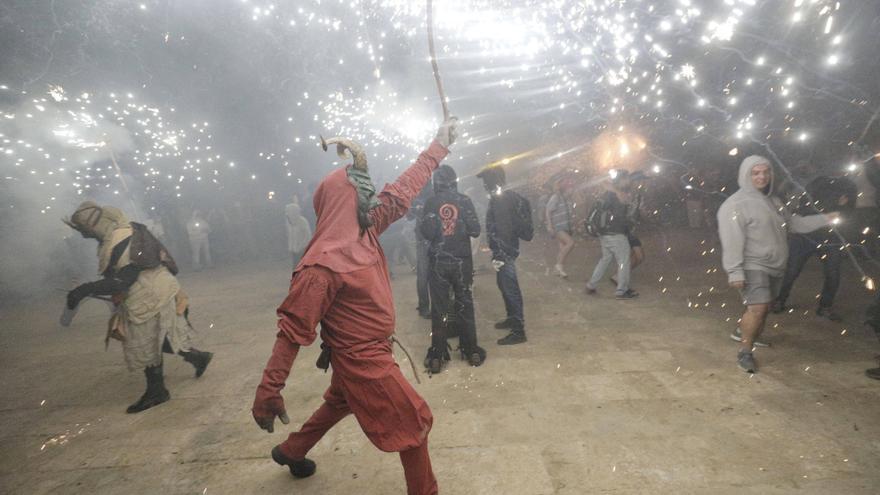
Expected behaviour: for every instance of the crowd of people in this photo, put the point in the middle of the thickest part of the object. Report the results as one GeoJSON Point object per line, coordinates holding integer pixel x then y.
{"type": "Point", "coordinates": [341, 282]}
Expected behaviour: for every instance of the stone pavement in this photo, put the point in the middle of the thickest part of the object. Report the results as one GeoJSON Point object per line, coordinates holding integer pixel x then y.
{"type": "Point", "coordinates": [607, 397]}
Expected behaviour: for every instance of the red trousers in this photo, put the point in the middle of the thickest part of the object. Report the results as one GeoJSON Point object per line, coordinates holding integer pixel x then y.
{"type": "Point", "coordinates": [416, 462]}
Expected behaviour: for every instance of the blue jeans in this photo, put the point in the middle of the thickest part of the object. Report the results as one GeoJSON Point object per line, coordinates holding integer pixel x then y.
{"type": "Point", "coordinates": [800, 250]}
{"type": "Point", "coordinates": [508, 284]}
{"type": "Point", "coordinates": [615, 247]}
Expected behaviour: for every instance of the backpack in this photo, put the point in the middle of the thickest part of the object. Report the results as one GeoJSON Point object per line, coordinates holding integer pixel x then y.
{"type": "Point", "coordinates": [522, 218]}
{"type": "Point", "coordinates": [597, 220]}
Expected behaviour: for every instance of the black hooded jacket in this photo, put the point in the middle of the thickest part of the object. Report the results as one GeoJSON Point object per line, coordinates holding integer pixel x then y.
{"type": "Point", "coordinates": [449, 219]}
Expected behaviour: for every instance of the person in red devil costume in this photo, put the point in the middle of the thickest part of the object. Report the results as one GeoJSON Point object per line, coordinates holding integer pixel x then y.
{"type": "Point", "coordinates": [342, 283]}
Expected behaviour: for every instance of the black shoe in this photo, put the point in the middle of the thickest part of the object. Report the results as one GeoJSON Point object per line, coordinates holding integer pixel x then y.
{"type": "Point", "coordinates": [629, 294]}
{"type": "Point", "coordinates": [873, 373]}
{"type": "Point", "coordinates": [829, 314]}
{"type": "Point", "coordinates": [474, 357]}
{"type": "Point", "coordinates": [513, 338]}
{"type": "Point", "coordinates": [299, 469]}
{"type": "Point", "coordinates": [778, 307]}
{"type": "Point", "coordinates": [199, 360]}
{"type": "Point", "coordinates": [504, 324]}
{"type": "Point", "coordinates": [155, 394]}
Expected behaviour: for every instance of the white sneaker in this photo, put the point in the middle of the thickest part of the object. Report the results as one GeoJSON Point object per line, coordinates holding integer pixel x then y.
{"type": "Point", "coordinates": [560, 271]}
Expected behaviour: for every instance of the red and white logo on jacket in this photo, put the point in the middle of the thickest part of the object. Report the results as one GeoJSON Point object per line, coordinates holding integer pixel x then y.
{"type": "Point", "coordinates": [448, 218]}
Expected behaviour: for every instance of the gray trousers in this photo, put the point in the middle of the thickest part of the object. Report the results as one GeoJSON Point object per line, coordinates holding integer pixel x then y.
{"type": "Point", "coordinates": [615, 247]}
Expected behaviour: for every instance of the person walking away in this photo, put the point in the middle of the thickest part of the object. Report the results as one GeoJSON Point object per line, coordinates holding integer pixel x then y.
{"type": "Point", "coordinates": [558, 219]}
{"type": "Point", "coordinates": [448, 223]}
{"type": "Point", "coordinates": [752, 225]}
{"type": "Point", "coordinates": [611, 219]}
{"type": "Point", "coordinates": [508, 220]}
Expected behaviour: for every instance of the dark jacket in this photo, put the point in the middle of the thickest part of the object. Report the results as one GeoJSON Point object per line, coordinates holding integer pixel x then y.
{"type": "Point", "coordinates": [449, 219]}
{"type": "Point", "coordinates": [825, 193]}
{"type": "Point", "coordinates": [501, 225]}
{"type": "Point", "coordinates": [619, 221]}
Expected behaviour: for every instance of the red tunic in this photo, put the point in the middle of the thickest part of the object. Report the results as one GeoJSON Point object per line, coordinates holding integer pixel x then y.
{"type": "Point", "coordinates": [343, 283]}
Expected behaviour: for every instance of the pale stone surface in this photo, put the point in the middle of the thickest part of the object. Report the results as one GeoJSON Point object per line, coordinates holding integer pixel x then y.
{"type": "Point", "coordinates": [607, 397]}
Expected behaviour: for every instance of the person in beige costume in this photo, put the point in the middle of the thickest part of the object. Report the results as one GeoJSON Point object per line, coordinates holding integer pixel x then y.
{"type": "Point", "coordinates": [151, 310]}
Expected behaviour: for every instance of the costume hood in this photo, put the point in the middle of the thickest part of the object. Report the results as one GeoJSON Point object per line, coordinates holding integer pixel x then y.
{"type": "Point", "coordinates": [745, 174]}
{"type": "Point", "coordinates": [96, 222]}
{"type": "Point", "coordinates": [337, 243]}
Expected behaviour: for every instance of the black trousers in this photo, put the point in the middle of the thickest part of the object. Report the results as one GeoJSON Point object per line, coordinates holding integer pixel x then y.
{"type": "Point", "coordinates": [452, 299]}
{"type": "Point", "coordinates": [422, 275]}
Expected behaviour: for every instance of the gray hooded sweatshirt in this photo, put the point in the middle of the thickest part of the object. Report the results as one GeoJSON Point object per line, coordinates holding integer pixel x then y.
{"type": "Point", "coordinates": [753, 227]}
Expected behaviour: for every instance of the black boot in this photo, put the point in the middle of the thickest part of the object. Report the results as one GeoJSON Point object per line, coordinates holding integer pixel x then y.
{"type": "Point", "coordinates": [199, 360]}
{"type": "Point", "coordinates": [475, 356]}
{"type": "Point", "coordinates": [516, 336]}
{"type": "Point", "coordinates": [435, 360]}
{"type": "Point", "coordinates": [873, 373]}
{"type": "Point", "coordinates": [299, 469]}
{"type": "Point", "coordinates": [156, 392]}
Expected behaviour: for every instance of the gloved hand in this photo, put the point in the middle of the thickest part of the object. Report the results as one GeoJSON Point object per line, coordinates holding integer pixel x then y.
{"type": "Point", "coordinates": [446, 133]}
{"type": "Point", "coordinates": [497, 264]}
{"type": "Point", "coordinates": [78, 294]}
{"type": "Point", "coordinates": [268, 402]}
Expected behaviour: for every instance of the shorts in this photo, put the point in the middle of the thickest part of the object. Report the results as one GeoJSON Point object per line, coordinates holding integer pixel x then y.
{"type": "Point", "coordinates": [760, 287]}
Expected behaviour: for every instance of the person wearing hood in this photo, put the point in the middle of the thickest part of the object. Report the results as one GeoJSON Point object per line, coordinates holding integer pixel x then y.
{"type": "Point", "coordinates": [753, 226]}
{"type": "Point", "coordinates": [342, 283]}
{"type": "Point", "coordinates": [298, 230]}
{"type": "Point", "coordinates": [151, 309]}
{"type": "Point", "coordinates": [198, 230]}
{"type": "Point", "coordinates": [448, 223]}
{"type": "Point", "coordinates": [508, 220]}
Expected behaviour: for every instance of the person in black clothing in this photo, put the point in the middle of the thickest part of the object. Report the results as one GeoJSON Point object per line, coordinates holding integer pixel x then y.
{"type": "Point", "coordinates": [872, 171]}
{"type": "Point", "coordinates": [448, 223]}
{"type": "Point", "coordinates": [823, 195]}
{"type": "Point", "coordinates": [508, 219]}
{"type": "Point", "coordinates": [416, 212]}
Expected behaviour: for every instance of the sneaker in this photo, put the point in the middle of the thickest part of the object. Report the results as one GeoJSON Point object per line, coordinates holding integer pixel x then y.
{"type": "Point", "coordinates": [873, 373]}
{"type": "Point", "coordinates": [737, 336]}
{"type": "Point", "coordinates": [829, 314]}
{"type": "Point", "coordinates": [560, 272]}
{"type": "Point", "coordinates": [629, 294]}
{"type": "Point", "coordinates": [590, 291]}
{"type": "Point", "coordinates": [513, 338]}
{"type": "Point", "coordinates": [746, 361]}
{"type": "Point", "coordinates": [302, 468]}
{"type": "Point", "coordinates": [504, 324]}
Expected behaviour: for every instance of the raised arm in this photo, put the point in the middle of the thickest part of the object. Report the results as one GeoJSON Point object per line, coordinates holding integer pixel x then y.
{"type": "Point", "coordinates": [396, 198]}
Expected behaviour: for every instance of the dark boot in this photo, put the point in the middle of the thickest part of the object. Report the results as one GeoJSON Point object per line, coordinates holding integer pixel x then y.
{"type": "Point", "coordinates": [474, 356]}
{"type": "Point", "coordinates": [199, 360]}
{"type": "Point", "coordinates": [299, 469]}
{"type": "Point", "coordinates": [435, 360]}
{"type": "Point", "coordinates": [873, 373]}
{"type": "Point", "coordinates": [516, 336]}
{"type": "Point", "coordinates": [156, 392]}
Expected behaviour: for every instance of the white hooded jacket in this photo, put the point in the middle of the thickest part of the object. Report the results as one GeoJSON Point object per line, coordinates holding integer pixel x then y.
{"type": "Point", "coordinates": [753, 227]}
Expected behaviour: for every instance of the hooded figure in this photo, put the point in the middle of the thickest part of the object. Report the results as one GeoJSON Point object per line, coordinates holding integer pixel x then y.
{"type": "Point", "coordinates": [342, 283]}
{"type": "Point", "coordinates": [448, 224]}
{"type": "Point", "coordinates": [753, 226]}
{"type": "Point", "coordinates": [151, 308]}
{"type": "Point", "coordinates": [298, 230]}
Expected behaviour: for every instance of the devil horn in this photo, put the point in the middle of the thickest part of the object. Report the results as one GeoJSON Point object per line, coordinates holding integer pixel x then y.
{"type": "Point", "coordinates": [345, 144]}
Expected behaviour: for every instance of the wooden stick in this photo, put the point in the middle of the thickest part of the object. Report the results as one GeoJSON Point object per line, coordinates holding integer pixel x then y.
{"type": "Point", "coordinates": [434, 66]}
